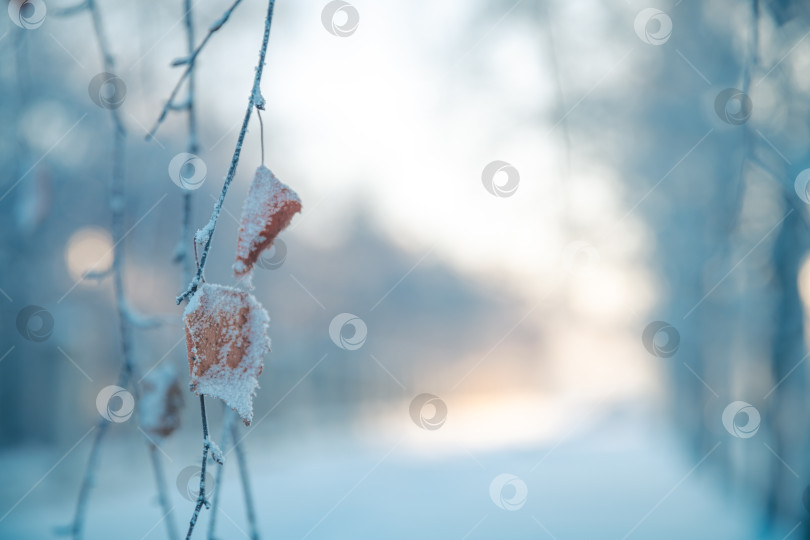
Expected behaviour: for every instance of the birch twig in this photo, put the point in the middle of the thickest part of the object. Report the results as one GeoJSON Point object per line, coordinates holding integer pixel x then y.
{"type": "Point", "coordinates": [241, 461]}
{"type": "Point", "coordinates": [201, 500]}
{"type": "Point", "coordinates": [255, 91]}
{"type": "Point", "coordinates": [117, 207]}
{"type": "Point", "coordinates": [189, 63]}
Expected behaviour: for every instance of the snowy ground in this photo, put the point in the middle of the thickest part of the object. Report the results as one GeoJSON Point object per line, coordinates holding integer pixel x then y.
{"type": "Point", "coordinates": [621, 482]}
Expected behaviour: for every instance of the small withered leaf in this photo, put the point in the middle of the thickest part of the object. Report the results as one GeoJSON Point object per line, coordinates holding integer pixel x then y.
{"type": "Point", "coordinates": [226, 339]}
{"type": "Point", "coordinates": [268, 210]}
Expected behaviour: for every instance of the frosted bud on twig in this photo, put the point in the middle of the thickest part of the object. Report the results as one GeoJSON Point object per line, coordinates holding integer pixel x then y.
{"type": "Point", "coordinates": [258, 99]}
{"type": "Point", "coordinates": [216, 451]}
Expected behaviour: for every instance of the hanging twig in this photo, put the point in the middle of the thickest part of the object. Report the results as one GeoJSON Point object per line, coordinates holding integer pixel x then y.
{"type": "Point", "coordinates": [189, 63]}
{"type": "Point", "coordinates": [193, 142]}
{"type": "Point", "coordinates": [77, 527]}
{"type": "Point", "coordinates": [255, 91]}
{"type": "Point", "coordinates": [201, 500]}
{"type": "Point", "coordinates": [181, 252]}
{"type": "Point", "coordinates": [88, 480]}
{"type": "Point", "coordinates": [185, 228]}
{"type": "Point", "coordinates": [163, 496]}
{"type": "Point", "coordinates": [117, 207]}
{"type": "Point", "coordinates": [261, 128]}
{"type": "Point", "coordinates": [229, 435]}
{"type": "Point", "coordinates": [209, 229]}
{"type": "Point", "coordinates": [241, 461]}
{"type": "Point", "coordinates": [227, 421]}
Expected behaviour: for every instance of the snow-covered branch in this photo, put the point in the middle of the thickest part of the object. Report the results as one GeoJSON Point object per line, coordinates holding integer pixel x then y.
{"type": "Point", "coordinates": [201, 500]}
{"type": "Point", "coordinates": [252, 101]}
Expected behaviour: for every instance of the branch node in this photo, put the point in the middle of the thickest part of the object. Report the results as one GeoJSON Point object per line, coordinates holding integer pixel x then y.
{"type": "Point", "coordinates": [189, 62]}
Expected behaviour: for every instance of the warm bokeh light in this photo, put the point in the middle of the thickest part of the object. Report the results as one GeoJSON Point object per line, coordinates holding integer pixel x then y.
{"type": "Point", "coordinates": [89, 249]}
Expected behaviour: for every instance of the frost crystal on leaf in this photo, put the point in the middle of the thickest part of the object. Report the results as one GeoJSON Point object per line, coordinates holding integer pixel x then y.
{"type": "Point", "coordinates": [268, 209]}
{"type": "Point", "coordinates": [226, 338]}
{"type": "Point", "coordinates": [161, 402]}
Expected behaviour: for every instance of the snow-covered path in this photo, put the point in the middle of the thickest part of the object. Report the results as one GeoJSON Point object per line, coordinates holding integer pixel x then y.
{"type": "Point", "coordinates": [605, 485]}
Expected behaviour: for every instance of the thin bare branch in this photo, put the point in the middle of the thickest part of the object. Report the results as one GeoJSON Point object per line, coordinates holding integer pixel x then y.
{"type": "Point", "coordinates": [228, 418]}
{"type": "Point", "coordinates": [201, 500]}
{"type": "Point", "coordinates": [125, 319]}
{"type": "Point", "coordinates": [241, 461]}
{"type": "Point", "coordinates": [181, 252]}
{"type": "Point", "coordinates": [189, 63]}
{"type": "Point", "coordinates": [163, 496]}
{"type": "Point", "coordinates": [212, 223]}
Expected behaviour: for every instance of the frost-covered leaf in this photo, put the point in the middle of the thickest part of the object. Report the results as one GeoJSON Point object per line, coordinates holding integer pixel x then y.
{"type": "Point", "coordinates": [268, 209]}
{"type": "Point", "coordinates": [226, 338]}
{"type": "Point", "coordinates": [161, 402]}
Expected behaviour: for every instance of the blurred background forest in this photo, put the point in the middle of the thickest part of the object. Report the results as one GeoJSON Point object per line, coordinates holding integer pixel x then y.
{"type": "Point", "coordinates": [615, 320]}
